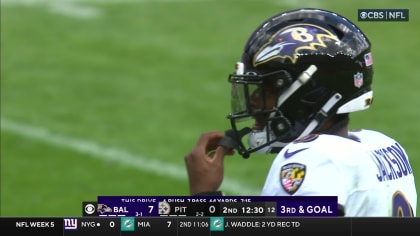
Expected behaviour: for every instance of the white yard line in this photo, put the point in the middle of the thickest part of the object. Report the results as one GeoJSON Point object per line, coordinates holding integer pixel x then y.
{"type": "Point", "coordinates": [70, 8]}
{"type": "Point", "coordinates": [80, 8]}
{"type": "Point", "coordinates": [114, 154]}
{"type": "Point", "coordinates": [99, 2]}
{"type": "Point", "coordinates": [63, 7]}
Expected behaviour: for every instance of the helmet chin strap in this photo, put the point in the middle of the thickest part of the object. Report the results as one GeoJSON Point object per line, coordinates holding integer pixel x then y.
{"type": "Point", "coordinates": [321, 115]}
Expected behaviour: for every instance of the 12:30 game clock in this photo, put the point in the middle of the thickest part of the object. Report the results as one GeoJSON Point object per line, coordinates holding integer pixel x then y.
{"type": "Point", "coordinates": [253, 210]}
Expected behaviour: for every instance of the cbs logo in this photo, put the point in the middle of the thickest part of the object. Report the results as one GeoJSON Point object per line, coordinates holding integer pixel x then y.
{"type": "Point", "coordinates": [89, 209]}
{"type": "Point", "coordinates": [372, 15]}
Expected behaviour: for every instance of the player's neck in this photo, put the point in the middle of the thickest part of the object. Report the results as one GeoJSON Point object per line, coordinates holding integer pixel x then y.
{"type": "Point", "coordinates": [344, 132]}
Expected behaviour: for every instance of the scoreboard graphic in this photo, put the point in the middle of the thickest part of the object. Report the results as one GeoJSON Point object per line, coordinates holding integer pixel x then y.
{"type": "Point", "coordinates": [152, 206]}
{"type": "Point", "coordinates": [205, 215]}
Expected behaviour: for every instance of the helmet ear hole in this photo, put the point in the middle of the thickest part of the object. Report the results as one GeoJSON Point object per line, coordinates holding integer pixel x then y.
{"type": "Point", "coordinates": [280, 126]}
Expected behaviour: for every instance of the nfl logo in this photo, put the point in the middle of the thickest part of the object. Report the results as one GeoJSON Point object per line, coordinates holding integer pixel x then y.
{"type": "Point", "coordinates": [358, 79]}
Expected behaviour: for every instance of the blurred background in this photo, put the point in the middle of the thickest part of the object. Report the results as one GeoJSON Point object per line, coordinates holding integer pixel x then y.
{"type": "Point", "coordinates": [105, 97]}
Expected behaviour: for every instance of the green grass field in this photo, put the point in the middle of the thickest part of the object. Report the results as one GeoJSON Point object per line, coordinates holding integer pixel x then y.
{"type": "Point", "coordinates": [105, 97]}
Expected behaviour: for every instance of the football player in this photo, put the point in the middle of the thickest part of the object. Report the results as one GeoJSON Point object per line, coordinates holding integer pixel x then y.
{"type": "Point", "coordinates": [301, 74]}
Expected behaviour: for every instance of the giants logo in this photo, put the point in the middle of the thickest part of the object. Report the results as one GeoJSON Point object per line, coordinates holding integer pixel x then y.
{"type": "Point", "coordinates": [293, 40]}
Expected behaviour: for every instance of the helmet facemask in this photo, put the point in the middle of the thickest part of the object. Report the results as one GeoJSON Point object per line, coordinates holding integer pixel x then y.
{"type": "Point", "coordinates": [255, 102]}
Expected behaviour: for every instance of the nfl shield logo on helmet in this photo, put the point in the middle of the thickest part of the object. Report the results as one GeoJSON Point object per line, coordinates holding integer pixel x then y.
{"type": "Point", "coordinates": [358, 79]}
{"type": "Point", "coordinates": [292, 176]}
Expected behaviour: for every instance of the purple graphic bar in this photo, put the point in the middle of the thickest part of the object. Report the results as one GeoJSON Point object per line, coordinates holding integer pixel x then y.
{"type": "Point", "coordinates": [145, 206]}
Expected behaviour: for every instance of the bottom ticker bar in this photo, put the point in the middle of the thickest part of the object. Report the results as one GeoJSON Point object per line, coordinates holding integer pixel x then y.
{"type": "Point", "coordinates": [218, 225]}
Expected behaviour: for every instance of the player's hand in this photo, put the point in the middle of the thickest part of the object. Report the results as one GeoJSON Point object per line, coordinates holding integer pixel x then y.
{"type": "Point", "coordinates": [205, 163]}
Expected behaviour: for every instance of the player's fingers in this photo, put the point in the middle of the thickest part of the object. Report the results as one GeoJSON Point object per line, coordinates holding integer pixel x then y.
{"type": "Point", "coordinates": [208, 141]}
{"type": "Point", "coordinates": [205, 146]}
{"type": "Point", "coordinates": [219, 154]}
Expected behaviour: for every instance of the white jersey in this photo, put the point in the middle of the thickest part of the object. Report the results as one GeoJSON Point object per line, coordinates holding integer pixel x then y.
{"type": "Point", "coordinates": [370, 177]}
